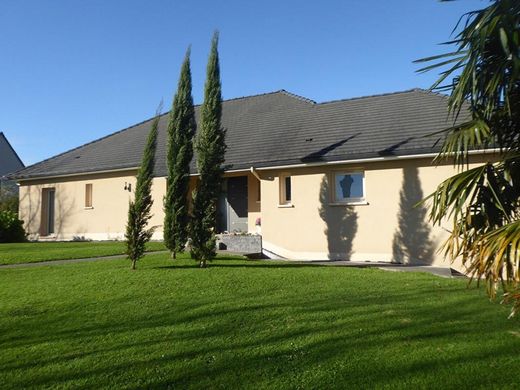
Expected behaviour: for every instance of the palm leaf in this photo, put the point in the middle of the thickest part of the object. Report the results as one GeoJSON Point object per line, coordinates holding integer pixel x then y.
{"type": "Point", "coordinates": [462, 139]}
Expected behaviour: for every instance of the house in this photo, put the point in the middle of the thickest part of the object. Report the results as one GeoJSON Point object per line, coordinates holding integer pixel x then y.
{"type": "Point", "coordinates": [332, 180]}
{"type": "Point", "coordinates": [9, 162]}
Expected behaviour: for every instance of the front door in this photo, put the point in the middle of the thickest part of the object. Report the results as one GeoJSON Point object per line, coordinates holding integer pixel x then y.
{"type": "Point", "coordinates": [51, 212]}
{"type": "Point", "coordinates": [48, 211]}
{"type": "Point", "coordinates": [237, 204]}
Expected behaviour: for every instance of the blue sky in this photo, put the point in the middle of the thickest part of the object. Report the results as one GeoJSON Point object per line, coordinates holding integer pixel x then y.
{"type": "Point", "coordinates": [72, 71]}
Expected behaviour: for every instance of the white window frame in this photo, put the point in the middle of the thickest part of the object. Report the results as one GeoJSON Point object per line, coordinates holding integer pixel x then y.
{"type": "Point", "coordinates": [349, 201]}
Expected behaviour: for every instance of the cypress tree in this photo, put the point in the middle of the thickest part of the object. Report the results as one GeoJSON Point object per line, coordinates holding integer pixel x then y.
{"type": "Point", "coordinates": [137, 234]}
{"type": "Point", "coordinates": [181, 128]}
{"type": "Point", "coordinates": [211, 147]}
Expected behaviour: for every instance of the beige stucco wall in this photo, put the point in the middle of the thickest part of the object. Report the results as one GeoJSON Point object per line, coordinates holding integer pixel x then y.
{"type": "Point", "coordinates": [253, 204]}
{"type": "Point", "coordinates": [310, 229]}
{"type": "Point", "coordinates": [314, 229]}
{"type": "Point", "coordinates": [106, 219]}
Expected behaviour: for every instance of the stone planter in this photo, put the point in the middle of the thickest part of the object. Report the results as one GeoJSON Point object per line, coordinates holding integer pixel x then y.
{"type": "Point", "coordinates": [240, 243]}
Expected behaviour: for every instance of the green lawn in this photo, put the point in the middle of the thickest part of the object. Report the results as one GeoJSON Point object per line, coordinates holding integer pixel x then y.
{"type": "Point", "coordinates": [31, 252]}
{"type": "Point", "coordinates": [248, 324]}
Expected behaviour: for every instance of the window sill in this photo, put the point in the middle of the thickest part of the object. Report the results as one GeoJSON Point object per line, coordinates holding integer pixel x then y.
{"type": "Point", "coordinates": [363, 203]}
{"type": "Point", "coordinates": [88, 208]}
{"type": "Point", "coordinates": [285, 206]}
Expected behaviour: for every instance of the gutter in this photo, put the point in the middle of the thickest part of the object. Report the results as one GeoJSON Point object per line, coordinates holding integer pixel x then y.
{"type": "Point", "coordinates": [372, 159]}
{"type": "Point", "coordinates": [75, 174]}
{"type": "Point", "coordinates": [254, 170]}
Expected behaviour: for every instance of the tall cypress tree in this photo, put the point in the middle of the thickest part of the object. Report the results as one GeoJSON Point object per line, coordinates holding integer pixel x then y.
{"type": "Point", "coordinates": [181, 128]}
{"type": "Point", "coordinates": [211, 147]}
{"type": "Point", "coordinates": [137, 234]}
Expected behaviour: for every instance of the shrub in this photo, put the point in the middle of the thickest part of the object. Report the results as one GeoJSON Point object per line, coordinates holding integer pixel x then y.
{"type": "Point", "coordinates": [11, 228]}
{"type": "Point", "coordinates": [9, 203]}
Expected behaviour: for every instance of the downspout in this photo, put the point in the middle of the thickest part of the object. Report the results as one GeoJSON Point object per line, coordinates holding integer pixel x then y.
{"type": "Point", "coordinates": [258, 222]}
{"type": "Point", "coordinates": [255, 173]}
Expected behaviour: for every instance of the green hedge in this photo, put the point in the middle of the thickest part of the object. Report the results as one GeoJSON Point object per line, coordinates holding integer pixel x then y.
{"type": "Point", "coordinates": [11, 228]}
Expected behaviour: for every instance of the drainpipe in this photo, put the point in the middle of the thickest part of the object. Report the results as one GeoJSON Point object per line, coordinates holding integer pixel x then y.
{"type": "Point", "coordinates": [257, 223]}
{"type": "Point", "coordinates": [255, 173]}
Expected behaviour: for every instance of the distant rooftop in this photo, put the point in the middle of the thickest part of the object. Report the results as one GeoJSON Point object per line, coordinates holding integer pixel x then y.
{"type": "Point", "coordinates": [9, 160]}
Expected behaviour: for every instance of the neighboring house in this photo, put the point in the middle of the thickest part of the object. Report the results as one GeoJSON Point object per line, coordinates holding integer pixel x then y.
{"type": "Point", "coordinates": [9, 162]}
{"type": "Point", "coordinates": [333, 180]}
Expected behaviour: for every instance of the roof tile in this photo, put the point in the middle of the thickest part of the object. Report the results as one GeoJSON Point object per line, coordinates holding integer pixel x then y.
{"type": "Point", "coordinates": [280, 128]}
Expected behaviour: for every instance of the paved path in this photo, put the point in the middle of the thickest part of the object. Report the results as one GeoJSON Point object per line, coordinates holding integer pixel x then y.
{"type": "Point", "coordinates": [67, 261]}
{"type": "Point", "coordinates": [445, 272]}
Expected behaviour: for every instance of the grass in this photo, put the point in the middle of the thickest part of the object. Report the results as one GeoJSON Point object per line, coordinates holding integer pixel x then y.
{"type": "Point", "coordinates": [248, 324]}
{"type": "Point", "coordinates": [32, 252]}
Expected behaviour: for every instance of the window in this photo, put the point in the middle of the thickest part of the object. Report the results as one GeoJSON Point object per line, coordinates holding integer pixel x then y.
{"type": "Point", "coordinates": [285, 190]}
{"type": "Point", "coordinates": [259, 192]}
{"type": "Point", "coordinates": [88, 195]}
{"type": "Point", "coordinates": [349, 187]}
{"type": "Point", "coordinates": [288, 189]}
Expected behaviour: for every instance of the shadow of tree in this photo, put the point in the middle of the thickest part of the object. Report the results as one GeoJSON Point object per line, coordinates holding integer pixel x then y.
{"type": "Point", "coordinates": [30, 210]}
{"type": "Point", "coordinates": [65, 208]}
{"type": "Point", "coordinates": [412, 243]}
{"type": "Point", "coordinates": [33, 210]}
{"type": "Point", "coordinates": [341, 224]}
{"type": "Point", "coordinates": [221, 339]}
{"type": "Point", "coordinates": [319, 155]}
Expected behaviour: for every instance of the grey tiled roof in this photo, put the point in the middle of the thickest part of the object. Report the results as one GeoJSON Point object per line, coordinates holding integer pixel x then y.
{"type": "Point", "coordinates": [280, 128]}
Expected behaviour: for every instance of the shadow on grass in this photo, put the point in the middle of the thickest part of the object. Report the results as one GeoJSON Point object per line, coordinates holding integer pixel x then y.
{"type": "Point", "coordinates": [247, 265]}
{"type": "Point", "coordinates": [304, 334]}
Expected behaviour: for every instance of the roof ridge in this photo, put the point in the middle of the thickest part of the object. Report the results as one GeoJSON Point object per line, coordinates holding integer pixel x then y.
{"type": "Point", "coordinates": [431, 92]}
{"type": "Point", "coordinates": [299, 97]}
{"type": "Point", "coordinates": [374, 95]}
{"type": "Point", "coordinates": [248, 96]}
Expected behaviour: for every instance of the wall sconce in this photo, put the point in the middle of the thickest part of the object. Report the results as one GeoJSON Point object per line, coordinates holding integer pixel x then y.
{"type": "Point", "coordinates": [128, 187]}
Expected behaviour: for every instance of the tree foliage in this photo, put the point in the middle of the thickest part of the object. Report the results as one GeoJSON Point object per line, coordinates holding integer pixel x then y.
{"type": "Point", "coordinates": [11, 228]}
{"type": "Point", "coordinates": [211, 147]}
{"type": "Point", "coordinates": [483, 78]}
{"type": "Point", "coordinates": [137, 231]}
{"type": "Point", "coordinates": [8, 195]}
{"type": "Point", "coordinates": [181, 128]}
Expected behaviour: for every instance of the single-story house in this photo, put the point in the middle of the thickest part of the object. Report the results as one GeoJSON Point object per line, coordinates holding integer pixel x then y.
{"type": "Point", "coordinates": [332, 180]}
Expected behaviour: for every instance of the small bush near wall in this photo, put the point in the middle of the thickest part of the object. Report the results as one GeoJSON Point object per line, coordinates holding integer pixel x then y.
{"type": "Point", "coordinates": [9, 203]}
{"type": "Point", "coordinates": [8, 196]}
{"type": "Point", "coordinates": [11, 228]}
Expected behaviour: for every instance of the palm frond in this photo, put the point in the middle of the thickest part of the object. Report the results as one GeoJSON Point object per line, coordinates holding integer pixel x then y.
{"type": "Point", "coordinates": [460, 140]}
{"type": "Point", "coordinates": [502, 247]}
{"type": "Point", "coordinates": [483, 202]}
{"type": "Point", "coordinates": [450, 197]}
